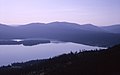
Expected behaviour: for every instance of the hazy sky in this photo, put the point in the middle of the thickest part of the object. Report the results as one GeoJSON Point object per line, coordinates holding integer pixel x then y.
{"type": "Point", "coordinates": [98, 12]}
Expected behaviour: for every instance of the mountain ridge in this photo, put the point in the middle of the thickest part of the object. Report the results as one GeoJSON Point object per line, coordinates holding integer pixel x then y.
{"type": "Point", "coordinates": [63, 31]}
{"type": "Point", "coordinates": [112, 28]}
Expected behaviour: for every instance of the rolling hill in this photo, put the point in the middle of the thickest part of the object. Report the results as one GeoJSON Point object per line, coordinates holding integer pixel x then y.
{"type": "Point", "coordinates": [112, 28]}
{"type": "Point", "coordinates": [70, 32]}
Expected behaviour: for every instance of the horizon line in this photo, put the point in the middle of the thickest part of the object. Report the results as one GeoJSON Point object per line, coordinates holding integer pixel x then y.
{"type": "Point", "coordinates": [56, 22]}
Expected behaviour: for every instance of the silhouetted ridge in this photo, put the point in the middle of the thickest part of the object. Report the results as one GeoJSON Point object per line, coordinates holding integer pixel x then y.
{"type": "Point", "coordinates": [112, 28]}
{"type": "Point", "coordinates": [91, 27]}
{"type": "Point", "coordinates": [63, 31]}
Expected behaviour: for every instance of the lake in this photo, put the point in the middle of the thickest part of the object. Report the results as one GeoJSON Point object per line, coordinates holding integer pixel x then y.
{"type": "Point", "coordinates": [19, 53]}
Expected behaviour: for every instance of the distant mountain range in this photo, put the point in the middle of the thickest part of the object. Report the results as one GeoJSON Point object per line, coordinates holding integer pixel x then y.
{"type": "Point", "coordinates": [64, 31]}
{"type": "Point", "coordinates": [112, 28]}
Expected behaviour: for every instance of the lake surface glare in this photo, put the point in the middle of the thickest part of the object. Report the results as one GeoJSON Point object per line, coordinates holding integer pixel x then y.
{"type": "Point", "coordinates": [19, 53]}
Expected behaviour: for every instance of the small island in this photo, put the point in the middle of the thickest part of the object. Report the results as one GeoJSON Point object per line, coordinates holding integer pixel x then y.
{"type": "Point", "coordinates": [34, 42]}
{"type": "Point", "coordinates": [24, 42]}
{"type": "Point", "coordinates": [9, 42]}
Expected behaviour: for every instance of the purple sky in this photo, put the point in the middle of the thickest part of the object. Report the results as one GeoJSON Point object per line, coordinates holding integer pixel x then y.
{"type": "Point", "coordinates": [98, 12]}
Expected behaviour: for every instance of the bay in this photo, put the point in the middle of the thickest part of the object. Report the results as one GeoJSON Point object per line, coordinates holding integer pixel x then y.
{"type": "Point", "coordinates": [19, 53]}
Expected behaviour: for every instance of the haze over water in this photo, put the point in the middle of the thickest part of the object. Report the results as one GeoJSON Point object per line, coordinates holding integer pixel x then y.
{"type": "Point", "coordinates": [19, 53]}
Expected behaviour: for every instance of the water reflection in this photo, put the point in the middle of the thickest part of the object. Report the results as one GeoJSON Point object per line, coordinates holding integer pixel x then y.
{"type": "Point", "coordinates": [19, 53]}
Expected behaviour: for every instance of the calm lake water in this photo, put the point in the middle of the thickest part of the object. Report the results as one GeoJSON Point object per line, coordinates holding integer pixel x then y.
{"type": "Point", "coordinates": [19, 53]}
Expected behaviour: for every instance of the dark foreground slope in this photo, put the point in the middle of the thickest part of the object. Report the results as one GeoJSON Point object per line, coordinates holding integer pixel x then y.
{"type": "Point", "coordinates": [102, 62]}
